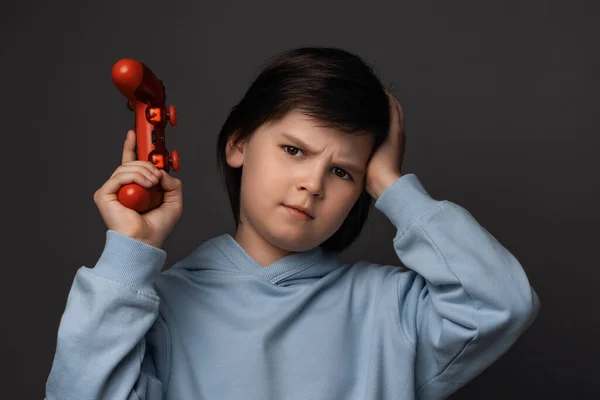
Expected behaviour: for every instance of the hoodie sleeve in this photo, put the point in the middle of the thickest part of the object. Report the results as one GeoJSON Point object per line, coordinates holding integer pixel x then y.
{"type": "Point", "coordinates": [465, 300]}
{"type": "Point", "coordinates": [111, 327]}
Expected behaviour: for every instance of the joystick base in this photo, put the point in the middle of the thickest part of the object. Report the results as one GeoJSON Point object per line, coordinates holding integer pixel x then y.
{"type": "Point", "coordinates": [139, 198]}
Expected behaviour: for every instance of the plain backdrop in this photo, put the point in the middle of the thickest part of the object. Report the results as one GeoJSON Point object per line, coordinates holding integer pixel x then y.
{"type": "Point", "coordinates": [501, 104]}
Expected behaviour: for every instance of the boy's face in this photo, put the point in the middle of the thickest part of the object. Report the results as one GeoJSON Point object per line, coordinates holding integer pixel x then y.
{"type": "Point", "coordinates": [325, 175]}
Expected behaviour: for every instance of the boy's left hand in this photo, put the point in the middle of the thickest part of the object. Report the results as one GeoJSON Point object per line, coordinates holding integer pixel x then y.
{"type": "Point", "coordinates": [385, 166]}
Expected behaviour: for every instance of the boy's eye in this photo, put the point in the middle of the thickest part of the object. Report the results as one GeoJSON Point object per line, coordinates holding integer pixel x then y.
{"type": "Point", "coordinates": [293, 151]}
{"type": "Point", "coordinates": [344, 174]}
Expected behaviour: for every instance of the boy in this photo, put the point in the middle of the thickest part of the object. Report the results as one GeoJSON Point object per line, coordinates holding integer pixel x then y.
{"type": "Point", "coordinates": [271, 312]}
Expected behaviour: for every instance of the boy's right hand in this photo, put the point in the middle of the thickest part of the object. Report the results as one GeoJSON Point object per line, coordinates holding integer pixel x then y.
{"type": "Point", "coordinates": [154, 226]}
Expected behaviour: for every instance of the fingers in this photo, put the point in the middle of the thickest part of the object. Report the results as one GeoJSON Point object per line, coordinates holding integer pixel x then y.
{"type": "Point", "coordinates": [142, 173]}
{"type": "Point", "coordinates": [396, 113]}
{"type": "Point", "coordinates": [144, 167]}
{"type": "Point", "coordinates": [124, 178]}
{"type": "Point", "coordinates": [400, 110]}
{"type": "Point", "coordinates": [129, 147]}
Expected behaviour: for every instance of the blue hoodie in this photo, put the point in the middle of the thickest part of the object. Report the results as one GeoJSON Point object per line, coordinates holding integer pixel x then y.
{"type": "Point", "coordinates": [217, 325]}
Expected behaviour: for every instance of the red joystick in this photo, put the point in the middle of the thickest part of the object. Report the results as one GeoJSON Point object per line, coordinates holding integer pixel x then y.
{"type": "Point", "coordinates": [145, 95]}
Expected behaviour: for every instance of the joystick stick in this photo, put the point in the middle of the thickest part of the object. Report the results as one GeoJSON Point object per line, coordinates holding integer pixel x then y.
{"type": "Point", "coordinates": [145, 95]}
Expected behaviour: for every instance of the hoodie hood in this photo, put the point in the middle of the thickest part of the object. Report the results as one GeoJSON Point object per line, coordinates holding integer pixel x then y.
{"type": "Point", "coordinates": [223, 253]}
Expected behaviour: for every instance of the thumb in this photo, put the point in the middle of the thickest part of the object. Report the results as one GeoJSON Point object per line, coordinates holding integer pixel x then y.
{"type": "Point", "coordinates": [171, 185]}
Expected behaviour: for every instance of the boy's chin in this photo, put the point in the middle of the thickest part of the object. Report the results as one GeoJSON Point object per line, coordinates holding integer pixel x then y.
{"type": "Point", "coordinates": [293, 240]}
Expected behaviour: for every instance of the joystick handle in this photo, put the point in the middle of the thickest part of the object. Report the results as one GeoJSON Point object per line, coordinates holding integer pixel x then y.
{"type": "Point", "coordinates": [139, 198]}
{"type": "Point", "coordinates": [145, 95]}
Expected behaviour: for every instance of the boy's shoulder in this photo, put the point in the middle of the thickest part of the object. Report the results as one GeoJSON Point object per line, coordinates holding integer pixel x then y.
{"type": "Point", "coordinates": [373, 273]}
{"type": "Point", "coordinates": [372, 268]}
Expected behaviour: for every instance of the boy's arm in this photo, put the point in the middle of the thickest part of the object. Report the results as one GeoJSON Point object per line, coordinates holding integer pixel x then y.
{"type": "Point", "coordinates": [468, 299]}
{"type": "Point", "coordinates": [101, 337]}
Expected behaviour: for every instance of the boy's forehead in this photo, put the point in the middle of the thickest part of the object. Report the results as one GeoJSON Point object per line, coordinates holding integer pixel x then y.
{"type": "Point", "coordinates": [301, 126]}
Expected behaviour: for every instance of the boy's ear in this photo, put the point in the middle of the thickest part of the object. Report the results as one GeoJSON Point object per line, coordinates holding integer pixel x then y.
{"type": "Point", "coordinates": [234, 155]}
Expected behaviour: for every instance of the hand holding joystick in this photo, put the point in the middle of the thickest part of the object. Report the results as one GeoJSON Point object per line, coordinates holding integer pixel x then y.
{"type": "Point", "coordinates": [145, 95]}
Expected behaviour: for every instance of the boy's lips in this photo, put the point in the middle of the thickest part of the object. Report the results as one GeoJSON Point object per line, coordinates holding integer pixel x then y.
{"type": "Point", "coordinates": [303, 210]}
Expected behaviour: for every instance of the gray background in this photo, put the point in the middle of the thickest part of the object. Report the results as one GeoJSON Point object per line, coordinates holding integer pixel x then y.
{"type": "Point", "coordinates": [500, 97]}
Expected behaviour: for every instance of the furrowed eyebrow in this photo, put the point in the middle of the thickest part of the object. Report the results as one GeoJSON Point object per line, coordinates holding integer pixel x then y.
{"type": "Point", "coordinates": [345, 165]}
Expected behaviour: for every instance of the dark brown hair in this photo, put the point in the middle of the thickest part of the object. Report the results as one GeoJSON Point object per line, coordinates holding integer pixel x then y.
{"type": "Point", "coordinates": [331, 85]}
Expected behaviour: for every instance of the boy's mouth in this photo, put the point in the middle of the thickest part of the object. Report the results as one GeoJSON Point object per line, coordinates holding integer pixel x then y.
{"type": "Point", "coordinates": [299, 211]}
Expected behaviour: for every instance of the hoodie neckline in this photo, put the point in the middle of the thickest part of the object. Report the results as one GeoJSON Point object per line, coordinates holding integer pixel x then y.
{"type": "Point", "coordinates": [274, 273]}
